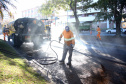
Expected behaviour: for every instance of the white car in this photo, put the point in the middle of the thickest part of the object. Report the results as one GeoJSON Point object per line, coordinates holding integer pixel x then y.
{"type": "Point", "coordinates": [111, 30]}
{"type": "Point", "coordinates": [123, 30]}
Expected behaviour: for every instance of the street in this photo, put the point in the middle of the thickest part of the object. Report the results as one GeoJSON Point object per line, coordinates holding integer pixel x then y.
{"type": "Point", "coordinates": [63, 42]}
{"type": "Point", "coordinates": [93, 61]}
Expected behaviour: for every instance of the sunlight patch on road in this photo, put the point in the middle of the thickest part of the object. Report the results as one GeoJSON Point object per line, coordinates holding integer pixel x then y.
{"type": "Point", "coordinates": [79, 60]}
{"type": "Point", "coordinates": [84, 41]}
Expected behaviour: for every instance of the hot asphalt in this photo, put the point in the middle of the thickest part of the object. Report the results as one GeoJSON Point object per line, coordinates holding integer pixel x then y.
{"type": "Point", "coordinates": [93, 61]}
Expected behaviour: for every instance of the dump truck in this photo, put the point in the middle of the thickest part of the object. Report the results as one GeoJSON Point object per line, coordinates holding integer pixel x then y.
{"type": "Point", "coordinates": [26, 30]}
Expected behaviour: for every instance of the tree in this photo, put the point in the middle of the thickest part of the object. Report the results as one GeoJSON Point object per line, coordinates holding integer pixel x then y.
{"type": "Point", "coordinates": [46, 9]}
{"type": "Point", "coordinates": [51, 5]}
{"type": "Point", "coordinates": [4, 7]}
{"type": "Point", "coordinates": [111, 10]}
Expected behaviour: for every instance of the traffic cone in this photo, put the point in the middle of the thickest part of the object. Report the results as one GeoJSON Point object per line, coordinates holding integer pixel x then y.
{"type": "Point", "coordinates": [91, 32]}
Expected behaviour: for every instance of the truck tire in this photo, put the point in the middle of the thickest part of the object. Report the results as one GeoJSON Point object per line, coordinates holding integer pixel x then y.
{"type": "Point", "coordinates": [16, 41]}
{"type": "Point", "coordinates": [109, 32]}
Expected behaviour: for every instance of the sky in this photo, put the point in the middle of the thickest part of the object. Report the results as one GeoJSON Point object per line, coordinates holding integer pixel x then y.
{"type": "Point", "coordinates": [24, 5]}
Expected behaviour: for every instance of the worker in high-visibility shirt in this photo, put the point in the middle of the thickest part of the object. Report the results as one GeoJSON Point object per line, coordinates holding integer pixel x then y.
{"type": "Point", "coordinates": [5, 32]}
{"type": "Point", "coordinates": [99, 32]}
{"type": "Point", "coordinates": [11, 31]}
{"type": "Point", "coordinates": [69, 43]}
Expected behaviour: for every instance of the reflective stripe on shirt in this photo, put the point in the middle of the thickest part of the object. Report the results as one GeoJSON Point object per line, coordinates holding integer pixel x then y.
{"type": "Point", "coordinates": [68, 39]}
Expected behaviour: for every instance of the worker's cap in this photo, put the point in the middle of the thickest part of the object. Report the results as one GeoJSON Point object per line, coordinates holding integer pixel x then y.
{"type": "Point", "coordinates": [67, 28]}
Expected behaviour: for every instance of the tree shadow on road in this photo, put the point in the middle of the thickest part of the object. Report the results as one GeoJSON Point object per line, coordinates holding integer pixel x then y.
{"type": "Point", "coordinates": [113, 68]}
{"type": "Point", "coordinates": [71, 75]}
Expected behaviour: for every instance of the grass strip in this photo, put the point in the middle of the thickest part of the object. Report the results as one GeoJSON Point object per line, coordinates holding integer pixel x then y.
{"type": "Point", "coordinates": [14, 70]}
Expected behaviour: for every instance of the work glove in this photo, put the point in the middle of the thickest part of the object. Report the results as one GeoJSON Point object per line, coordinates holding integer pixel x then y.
{"type": "Point", "coordinates": [59, 39]}
{"type": "Point", "coordinates": [72, 45]}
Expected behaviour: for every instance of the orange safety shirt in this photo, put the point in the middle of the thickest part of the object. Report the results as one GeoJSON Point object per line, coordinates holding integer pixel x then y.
{"type": "Point", "coordinates": [99, 30]}
{"type": "Point", "coordinates": [68, 37]}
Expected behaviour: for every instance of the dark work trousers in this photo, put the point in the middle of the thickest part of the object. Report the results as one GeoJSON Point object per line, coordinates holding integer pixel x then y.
{"type": "Point", "coordinates": [65, 50]}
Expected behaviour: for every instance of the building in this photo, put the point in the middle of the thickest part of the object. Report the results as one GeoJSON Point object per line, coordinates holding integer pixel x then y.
{"type": "Point", "coordinates": [67, 18]}
{"type": "Point", "coordinates": [31, 13]}
{"type": "Point", "coordinates": [86, 18]}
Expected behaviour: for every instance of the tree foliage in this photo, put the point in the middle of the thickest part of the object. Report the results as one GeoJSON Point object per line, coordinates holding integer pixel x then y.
{"type": "Point", "coordinates": [51, 5]}
{"type": "Point", "coordinates": [4, 7]}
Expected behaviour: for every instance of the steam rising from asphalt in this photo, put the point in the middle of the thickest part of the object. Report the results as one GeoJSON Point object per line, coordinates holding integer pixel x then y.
{"type": "Point", "coordinates": [82, 44]}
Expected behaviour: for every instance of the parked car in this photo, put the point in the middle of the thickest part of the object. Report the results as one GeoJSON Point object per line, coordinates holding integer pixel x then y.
{"type": "Point", "coordinates": [113, 30]}
{"type": "Point", "coordinates": [124, 30]}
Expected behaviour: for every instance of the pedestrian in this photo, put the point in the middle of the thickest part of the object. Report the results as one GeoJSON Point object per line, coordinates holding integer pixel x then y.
{"type": "Point", "coordinates": [5, 32]}
{"type": "Point", "coordinates": [69, 43]}
{"type": "Point", "coordinates": [99, 32]}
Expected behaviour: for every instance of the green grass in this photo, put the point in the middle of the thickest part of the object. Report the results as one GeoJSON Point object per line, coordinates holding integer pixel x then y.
{"type": "Point", "coordinates": [14, 70]}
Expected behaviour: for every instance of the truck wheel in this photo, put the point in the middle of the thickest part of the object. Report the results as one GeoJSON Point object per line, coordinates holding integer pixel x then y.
{"type": "Point", "coordinates": [16, 41]}
{"type": "Point", "coordinates": [19, 43]}
{"type": "Point", "coordinates": [109, 32]}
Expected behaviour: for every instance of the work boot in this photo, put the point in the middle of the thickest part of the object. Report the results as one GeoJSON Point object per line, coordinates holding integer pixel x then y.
{"type": "Point", "coordinates": [69, 63]}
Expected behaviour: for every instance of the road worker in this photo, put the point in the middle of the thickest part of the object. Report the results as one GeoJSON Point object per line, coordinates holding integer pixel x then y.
{"type": "Point", "coordinates": [5, 32]}
{"type": "Point", "coordinates": [99, 32]}
{"type": "Point", "coordinates": [69, 43]}
{"type": "Point", "coordinates": [11, 31]}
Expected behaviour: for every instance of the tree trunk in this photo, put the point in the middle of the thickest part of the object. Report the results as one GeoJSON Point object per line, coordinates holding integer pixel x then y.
{"type": "Point", "coordinates": [76, 17]}
{"type": "Point", "coordinates": [74, 9]}
{"type": "Point", "coordinates": [118, 18]}
{"type": "Point", "coordinates": [118, 30]}
{"type": "Point", "coordinates": [77, 21]}
{"type": "Point", "coordinates": [77, 25]}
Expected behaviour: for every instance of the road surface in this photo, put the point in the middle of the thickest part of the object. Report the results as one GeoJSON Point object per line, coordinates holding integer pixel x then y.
{"type": "Point", "coordinates": [93, 61]}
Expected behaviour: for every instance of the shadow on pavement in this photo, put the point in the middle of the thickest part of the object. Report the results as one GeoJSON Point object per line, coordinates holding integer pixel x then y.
{"type": "Point", "coordinates": [114, 69]}
{"type": "Point", "coordinates": [71, 75]}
